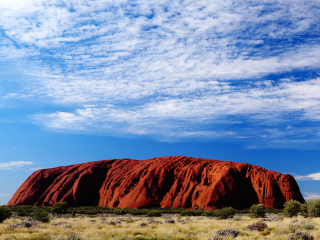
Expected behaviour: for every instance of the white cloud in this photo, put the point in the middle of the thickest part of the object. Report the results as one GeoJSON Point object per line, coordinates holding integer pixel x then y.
{"type": "Point", "coordinates": [309, 196]}
{"type": "Point", "coordinates": [173, 116]}
{"type": "Point", "coordinates": [312, 176]}
{"type": "Point", "coordinates": [14, 164]}
{"type": "Point", "coordinates": [11, 149]}
{"type": "Point", "coordinates": [14, 95]}
{"type": "Point", "coordinates": [126, 68]}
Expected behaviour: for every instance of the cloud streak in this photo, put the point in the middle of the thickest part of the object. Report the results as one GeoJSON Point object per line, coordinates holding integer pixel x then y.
{"type": "Point", "coordinates": [312, 176]}
{"type": "Point", "coordinates": [5, 195]}
{"type": "Point", "coordinates": [14, 164]}
{"type": "Point", "coordinates": [309, 196]}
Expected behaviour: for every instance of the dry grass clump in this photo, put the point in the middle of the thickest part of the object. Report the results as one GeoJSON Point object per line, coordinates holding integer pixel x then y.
{"type": "Point", "coordinates": [300, 235]}
{"type": "Point", "coordinates": [226, 233]}
{"type": "Point", "coordinates": [129, 227]}
{"type": "Point", "coordinates": [258, 226]}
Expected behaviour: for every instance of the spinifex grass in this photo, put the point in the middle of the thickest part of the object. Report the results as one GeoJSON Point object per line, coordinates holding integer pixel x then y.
{"type": "Point", "coordinates": [185, 227]}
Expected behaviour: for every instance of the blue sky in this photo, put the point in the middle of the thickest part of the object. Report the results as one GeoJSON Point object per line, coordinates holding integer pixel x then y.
{"type": "Point", "coordinates": [90, 80]}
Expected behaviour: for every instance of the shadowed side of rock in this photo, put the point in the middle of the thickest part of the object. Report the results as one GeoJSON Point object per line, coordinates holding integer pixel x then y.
{"type": "Point", "coordinates": [77, 184]}
{"type": "Point", "coordinates": [167, 182]}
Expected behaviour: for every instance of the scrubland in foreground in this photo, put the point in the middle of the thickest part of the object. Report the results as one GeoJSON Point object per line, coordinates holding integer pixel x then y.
{"type": "Point", "coordinates": [129, 227]}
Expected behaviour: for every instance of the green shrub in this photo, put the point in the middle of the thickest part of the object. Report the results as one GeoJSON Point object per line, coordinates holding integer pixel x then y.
{"type": "Point", "coordinates": [304, 210]}
{"type": "Point", "coordinates": [59, 208]}
{"type": "Point", "coordinates": [91, 212]}
{"type": "Point", "coordinates": [5, 213]}
{"type": "Point", "coordinates": [154, 213]}
{"type": "Point", "coordinates": [227, 212]}
{"type": "Point", "coordinates": [108, 211]}
{"type": "Point", "coordinates": [208, 213]}
{"type": "Point", "coordinates": [138, 212]}
{"type": "Point", "coordinates": [243, 211]}
{"type": "Point", "coordinates": [41, 216]}
{"type": "Point", "coordinates": [191, 213]}
{"type": "Point", "coordinates": [120, 212]}
{"type": "Point", "coordinates": [313, 208]}
{"type": "Point", "coordinates": [198, 212]}
{"type": "Point", "coordinates": [187, 213]}
{"type": "Point", "coordinates": [291, 208]}
{"type": "Point", "coordinates": [257, 210]}
{"type": "Point", "coordinates": [22, 213]}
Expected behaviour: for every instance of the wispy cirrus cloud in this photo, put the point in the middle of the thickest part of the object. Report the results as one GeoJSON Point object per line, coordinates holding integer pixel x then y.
{"type": "Point", "coordinates": [5, 195]}
{"type": "Point", "coordinates": [11, 149]}
{"type": "Point", "coordinates": [14, 164]}
{"type": "Point", "coordinates": [169, 69]}
{"type": "Point", "coordinates": [176, 117]}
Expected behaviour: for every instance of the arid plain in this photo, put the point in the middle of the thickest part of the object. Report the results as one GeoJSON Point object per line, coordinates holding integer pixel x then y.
{"type": "Point", "coordinates": [110, 226]}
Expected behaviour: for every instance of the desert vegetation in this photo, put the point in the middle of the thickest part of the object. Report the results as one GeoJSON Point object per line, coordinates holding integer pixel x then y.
{"type": "Point", "coordinates": [296, 221]}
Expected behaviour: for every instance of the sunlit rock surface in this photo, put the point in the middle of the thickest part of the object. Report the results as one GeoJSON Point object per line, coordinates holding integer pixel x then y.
{"type": "Point", "coordinates": [167, 182]}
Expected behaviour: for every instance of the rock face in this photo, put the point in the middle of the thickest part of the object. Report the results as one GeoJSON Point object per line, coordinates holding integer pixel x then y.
{"type": "Point", "coordinates": [167, 182]}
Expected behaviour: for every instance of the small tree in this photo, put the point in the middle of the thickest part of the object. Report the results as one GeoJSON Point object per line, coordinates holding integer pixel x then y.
{"type": "Point", "coordinates": [257, 210]}
{"type": "Point", "coordinates": [313, 208]}
{"type": "Point", "coordinates": [5, 213]}
{"type": "Point", "coordinates": [59, 208]}
{"type": "Point", "coordinates": [304, 210]}
{"type": "Point", "coordinates": [226, 212]}
{"type": "Point", "coordinates": [41, 216]}
{"type": "Point", "coordinates": [291, 208]}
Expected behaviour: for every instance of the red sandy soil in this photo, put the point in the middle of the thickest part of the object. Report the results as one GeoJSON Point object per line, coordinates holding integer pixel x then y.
{"type": "Point", "coordinates": [167, 182]}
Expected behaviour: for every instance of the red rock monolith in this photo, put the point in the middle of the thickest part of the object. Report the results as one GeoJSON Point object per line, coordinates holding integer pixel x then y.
{"type": "Point", "coordinates": [167, 182]}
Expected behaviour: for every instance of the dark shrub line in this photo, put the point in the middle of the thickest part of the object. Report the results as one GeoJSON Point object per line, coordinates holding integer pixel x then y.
{"type": "Point", "coordinates": [95, 210]}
